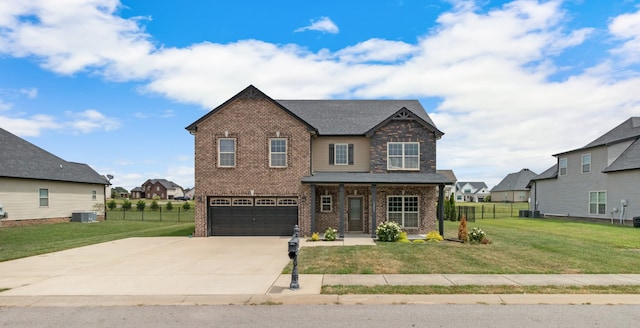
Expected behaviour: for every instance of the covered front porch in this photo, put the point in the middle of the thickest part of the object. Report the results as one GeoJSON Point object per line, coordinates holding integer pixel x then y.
{"type": "Point", "coordinates": [355, 203]}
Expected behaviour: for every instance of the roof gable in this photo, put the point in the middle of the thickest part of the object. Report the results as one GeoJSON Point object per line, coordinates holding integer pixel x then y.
{"type": "Point", "coordinates": [249, 92]}
{"type": "Point", "coordinates": [627, 130]}
{"type": "Point", "coordinates": [628, 160]}
{"type": "Point", "coordinates": [515, 181]}
{"type": "Point", "coordinates": [22, 159]}
{"type": "Point", "coordinates": [405, 114]}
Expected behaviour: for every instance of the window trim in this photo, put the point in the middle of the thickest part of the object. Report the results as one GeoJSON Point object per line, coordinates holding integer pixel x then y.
{"type": "Point", "coordinates": [403, 212]}
{"type": "Point", "coordinates": [403, 156]}
{"type": "Point", "coordinates": [322, 203]}
{"type": "Point", "coordinates": [597, 203]}
{"type": "Point", "coordinates": [335, 153]}
{"type": "Point", "coordinates": [565, 166]}
{"type": "Point", "coordinates": [41, 198]}
{"type": "Point", "coordinates": [271, 153]}
{"type": "Point", "coordinates": [235, 149]}
{"type": "Point", "coordinates": [588, 165]}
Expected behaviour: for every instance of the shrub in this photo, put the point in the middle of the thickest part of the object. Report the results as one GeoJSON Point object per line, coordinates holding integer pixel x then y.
{"type": "Point", "coordinates": [463, 233]}
{"type": "Point", "coordinates": [419, 241]}
{"type": "Point", "coordinates": [126, 205]}
{"type": "Point", "coordinates": [186, 206]}
{"type": "Point", "coordinates": [112, 204]}
{"type": "Point", "coordinates": [388, 231]}
{"type": "Point", "coordinates": [169, 206]}
{"type": "Point", "coordinates": [405, 241]}
{"type": "Point", "coordinates": [140, 205]}
{"type": "Point", "coordinates": [315, 236]}
{"type": "Point", "coordinates": [154, 205]}
{"type": "Point", "coordinates": [403, 235]}
{"type": "Point", "coordinates": [476, 235]}
{"type": "Point", "coordinates": [434, 236]}
{"type": "Point", "coordinates": [330, 234]}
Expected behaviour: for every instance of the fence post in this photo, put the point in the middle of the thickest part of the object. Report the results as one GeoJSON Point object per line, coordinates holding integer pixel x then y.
{"type": "Point", "coordinates": [160, 213]}
{"type": "Point", "coordinates": [494, 211]}
{"type": "Point", "coordinates": [178, 214]}
{"type": "Point", "coordinates": [142, 214]}
{"type": "Point", "coordinates": [482, 212]}
{"type": "Point", "coordinates": [511, 209]}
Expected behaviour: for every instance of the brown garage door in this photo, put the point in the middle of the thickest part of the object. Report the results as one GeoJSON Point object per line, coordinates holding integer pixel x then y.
{"type": "Point", "coordinates": [255, 216]}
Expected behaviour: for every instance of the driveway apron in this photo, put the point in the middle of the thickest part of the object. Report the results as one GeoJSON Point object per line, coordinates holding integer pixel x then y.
{"type": "Point", "coordinates": [152, 266]}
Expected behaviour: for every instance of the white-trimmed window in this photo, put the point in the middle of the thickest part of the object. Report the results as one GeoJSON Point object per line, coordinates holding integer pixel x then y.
{"type": "Point", "coordinates": [341, 154]}
{"type": "Point", "coordinates": [597, 202]}
{"type": "Point", "coordinates": [226, 152]}
{"type": "Point", "coordinates": [277, 152]}
{"type": "Point", "coordinates": [404, 210]}
{"type": "Point", "coordinates": [326, 203]}
{"type": "Point", "coordinates": [403, 156]}
{"type": "Point", "coordinates": [562, 166]}
{"type": "Point", "coordinates": [43, 195]}
{"type": "Point", "coordinates": [586, 163]}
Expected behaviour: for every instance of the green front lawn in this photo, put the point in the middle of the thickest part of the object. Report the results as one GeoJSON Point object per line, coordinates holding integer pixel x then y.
{"type": "Point", "coordinates": [17, 242]}
{"type": "Point", "coordinates": [518, 246]}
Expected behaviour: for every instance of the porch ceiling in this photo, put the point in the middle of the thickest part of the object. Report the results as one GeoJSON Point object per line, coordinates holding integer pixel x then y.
{"type": "Point", "coordinates": [376, 178]}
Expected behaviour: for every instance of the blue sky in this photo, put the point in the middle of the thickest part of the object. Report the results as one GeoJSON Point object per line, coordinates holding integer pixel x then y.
{"type": "Point", "coordinates": [113, 83]}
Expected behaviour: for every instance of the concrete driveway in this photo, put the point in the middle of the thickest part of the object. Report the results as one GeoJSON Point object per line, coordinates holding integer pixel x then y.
{"type": "Point", "coordinates": [152, 266]}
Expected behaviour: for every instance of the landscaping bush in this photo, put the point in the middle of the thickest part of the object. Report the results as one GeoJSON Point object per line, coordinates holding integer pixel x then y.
{"type": "Point", "coordinates": [154, 205]}
{"type": "Point", "coordinates": [418, 241]}
{"type": "Point", "coordinates": [126, 205]}
{"type": "Point", "coordinates": [169, 206]}
{"type": "Point", "coordinates": [140, 205]}
{"type": "Point", "coordinates": [330, 234]}
{"type": "Point", "coordinates": [315, 236]}
{"type": "Point", "coordinates": [476, 235]}
{"type": "Point", "coordinates": [186, 206]}
{"type": "Point", "coordinates": [112, 204]}
{"type": "Point", "coordinates": [463, 233]}
{"type": "Point", "coordinates": [434, 236]}
{"type": "Point", "coordinates": [388, 231]}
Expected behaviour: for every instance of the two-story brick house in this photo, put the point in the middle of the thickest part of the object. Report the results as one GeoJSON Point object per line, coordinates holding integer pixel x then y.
{"type": "Point", "coordinates": [264, 165]}
{"type": "Point", "coordinates": [162, 188]}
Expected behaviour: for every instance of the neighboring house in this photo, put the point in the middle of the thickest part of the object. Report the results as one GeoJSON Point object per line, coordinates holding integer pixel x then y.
{"type": "Point", "coordinates": [35, 184]}
{"type": "Point", "coordinates": [471, 191]}
{"type": "Point", "coordinates": [449, 189]}
{"type": "Point", "coordinates": [263, 166]}
{"type": "Point", "coordinates": [120, 192]}
{"type": "Point", "coordinates": [189, 194]}
{"type": "Point", "coordinates": [513, 188]}
{"type": "Point", "coordinates": [162, 188]}
{"type": "Point", "coordinates": [137, 193]}
{"type": "Point", "coordinates": [597, 181]}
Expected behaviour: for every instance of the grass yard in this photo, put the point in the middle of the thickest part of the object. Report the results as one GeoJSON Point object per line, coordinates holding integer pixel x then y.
{"type": "Point", "coordinates": [519, 246]}
{"type": "Point", "coordinates": [17, 242]}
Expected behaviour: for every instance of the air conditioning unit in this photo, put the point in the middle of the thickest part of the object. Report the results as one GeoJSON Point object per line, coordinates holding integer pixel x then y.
{"type": "Point", "coordinates": [3, 214]}
{"type": "Point", "coordinates": [83, 217]}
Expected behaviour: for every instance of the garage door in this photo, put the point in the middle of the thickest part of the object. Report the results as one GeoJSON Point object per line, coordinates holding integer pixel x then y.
{"type": "Point", "coordinates": [259, 216]}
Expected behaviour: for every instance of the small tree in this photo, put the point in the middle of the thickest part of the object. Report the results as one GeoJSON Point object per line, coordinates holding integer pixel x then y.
{"type": "Point", "coordinates": [186, 206]}
{"type": "Point", "coordinates": [154, 205]}
{"type": "Point", "coordinates": [126, 205]}
{"type": "Point", "coordinates": [169, 206]}
{"type": "Point", "coordinates": [112, 205]}
{"type": "Point", "coordinates": [140, 205]}
{"type": "Point", "coordinates": [463, 233]}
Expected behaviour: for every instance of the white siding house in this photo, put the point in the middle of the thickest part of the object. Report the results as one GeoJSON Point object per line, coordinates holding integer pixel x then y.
{"type": "Point", "coordinates": [35, 184]}
{"type": "Point", "coordinates": [598, 181]}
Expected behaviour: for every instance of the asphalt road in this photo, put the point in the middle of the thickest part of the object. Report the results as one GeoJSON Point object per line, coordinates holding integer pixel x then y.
{"type": "Point", "coordinates": [352, 316]}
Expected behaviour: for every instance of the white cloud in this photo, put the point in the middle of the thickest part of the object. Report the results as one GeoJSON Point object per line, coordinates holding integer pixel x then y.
{"type": "Point", "coordinates": [28, 127]}
{"type": "Point", "coordinates": [491, 72]}
{"type": "Point", "coordinates": [90, 120]}
{"type": "Point", "coordinates": [323, 24]}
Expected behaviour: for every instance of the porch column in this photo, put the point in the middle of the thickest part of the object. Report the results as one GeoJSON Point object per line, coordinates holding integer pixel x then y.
{"type": "Point", "coordinates": [312, 199]}
{"type": "Point", "coordinates": [441, 209]}
{"type": "Point", "coordinates": [374, 202]}
{"type": "Point", "coordinates": [341, 196]}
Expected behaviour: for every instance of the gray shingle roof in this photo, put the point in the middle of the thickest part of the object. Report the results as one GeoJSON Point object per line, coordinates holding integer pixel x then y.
{"type": "Point", "coordinates": [351, 117]}
{"type": "Point", "coordinates": [628, 160]}
{"type": "Point", "coordinates": [165, 183]}
{"type": "Point", "coordinates": [22, 159]}
{"type": "Point", "coordinates": [476, 185]}
{"type": "Point", "coordinates": [515, 181]}
{"type": "Point", "coordinates": [629, 129]}
{"type": "Point", "coordinates": [368, 178]}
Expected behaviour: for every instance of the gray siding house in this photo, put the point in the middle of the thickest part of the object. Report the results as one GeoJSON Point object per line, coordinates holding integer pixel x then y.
{"type": "Point", "coordinates": [513, 188]}
{"type": "Point", "coordinates": [35, 184]}
{"type": "Point", "coordinates": [598, 181]}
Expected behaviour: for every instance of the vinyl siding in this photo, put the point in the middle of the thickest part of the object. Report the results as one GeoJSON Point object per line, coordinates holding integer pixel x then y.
{"type": "Point", "coordinates": [20, 198]}
{"type": "Point", "coordinates": [320, 154]}
{"type": "Point", "coordinates": [569, 195]}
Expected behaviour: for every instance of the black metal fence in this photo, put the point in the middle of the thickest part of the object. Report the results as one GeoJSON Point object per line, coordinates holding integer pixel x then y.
{"type": "Point", "coordinates": [177, 214]}
{"type": "Point", "coordinates": [473, 211]}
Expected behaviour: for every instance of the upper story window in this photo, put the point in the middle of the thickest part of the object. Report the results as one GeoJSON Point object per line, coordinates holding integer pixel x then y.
{"type": "Point", "coordinates": [340, 154]}
{"type": "Point", "coordinates": [277, 152]}
{"type": "Point", "coordinates": [586, 163]}
{"type": "Point", "coordinates": [403, 156]}
{"type": "Point", "coordinates": [44, 197]}
{"type": "Point", "coordinates": [94, 195]}
{"type": "Point", "coordinates": [562, 166]}
{"type": "Point", "coordinates": [226, 152]}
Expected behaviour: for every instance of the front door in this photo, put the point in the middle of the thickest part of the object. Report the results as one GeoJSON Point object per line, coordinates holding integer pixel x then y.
{"type": "Point", "coordinates": [355, 213]}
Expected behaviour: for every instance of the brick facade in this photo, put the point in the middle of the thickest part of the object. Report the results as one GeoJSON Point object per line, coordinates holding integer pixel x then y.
{"type": "Point", "coordinates": [403, 131]}
{"type": "Point", "coordinates": [252, 122]}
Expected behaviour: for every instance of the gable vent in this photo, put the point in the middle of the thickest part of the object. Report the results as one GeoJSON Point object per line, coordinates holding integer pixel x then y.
{"type": "Point", "coordinates": [403, 114]}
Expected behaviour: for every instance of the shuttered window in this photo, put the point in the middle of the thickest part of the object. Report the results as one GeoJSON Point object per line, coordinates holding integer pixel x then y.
{"type": "Point", "coordinates": [340, 154]}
